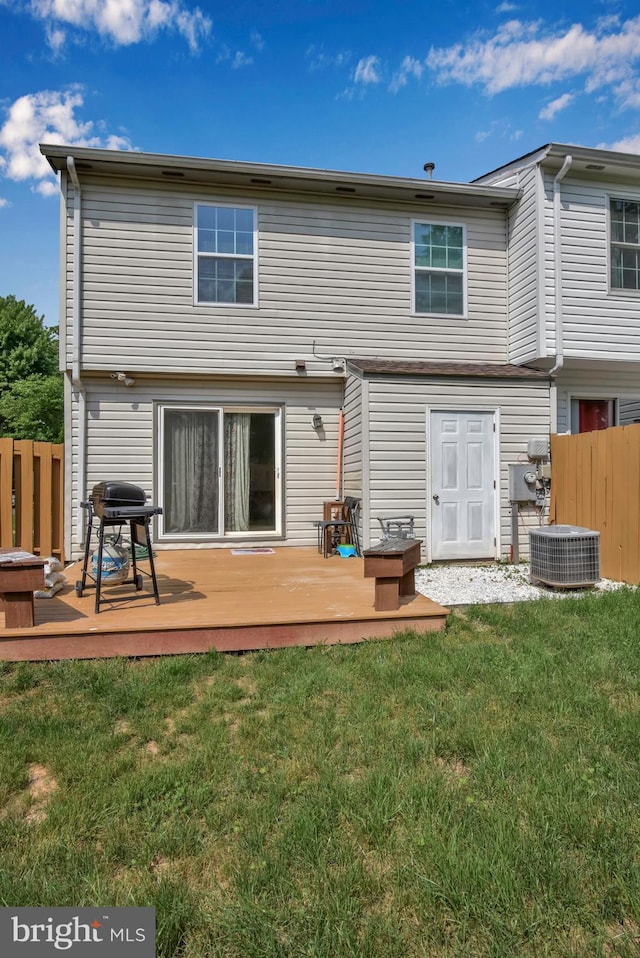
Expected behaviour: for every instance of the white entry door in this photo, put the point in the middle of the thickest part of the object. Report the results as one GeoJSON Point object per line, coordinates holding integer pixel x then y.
{"type": "Point", "coordinates": [463, 486]}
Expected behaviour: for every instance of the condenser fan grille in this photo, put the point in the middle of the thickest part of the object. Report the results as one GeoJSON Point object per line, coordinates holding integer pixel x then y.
{"type": "Point", "coordinates": [565, 556]}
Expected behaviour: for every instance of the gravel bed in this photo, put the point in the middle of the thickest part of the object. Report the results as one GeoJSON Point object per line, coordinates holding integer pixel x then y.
{"type": "Point", "coordinates": [472, 584]}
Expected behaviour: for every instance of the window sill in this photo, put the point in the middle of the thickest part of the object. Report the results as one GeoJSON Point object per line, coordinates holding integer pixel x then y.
{"type": "Point", "coordinates": [227, 305]}
{"type": "Point", "coordinates": [439, 316]}
{"type": "Point", "coordinates": [623, 293]}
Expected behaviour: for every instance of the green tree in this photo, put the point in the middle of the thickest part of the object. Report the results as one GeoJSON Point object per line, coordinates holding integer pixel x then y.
{"type": "Point", "coordinates": [31, 389]}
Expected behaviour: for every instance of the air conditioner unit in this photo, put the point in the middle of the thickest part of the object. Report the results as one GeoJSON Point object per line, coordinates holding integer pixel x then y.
{"type": "Point", "coordinates": [567, 557]}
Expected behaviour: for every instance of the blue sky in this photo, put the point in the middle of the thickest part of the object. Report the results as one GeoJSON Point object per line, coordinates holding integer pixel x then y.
{"type": "Point", "coordinates": [372, 87]}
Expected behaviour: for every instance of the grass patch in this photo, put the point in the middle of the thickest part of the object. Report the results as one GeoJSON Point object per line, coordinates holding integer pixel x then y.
{"type": "Point", "coordinates": [470, 793]}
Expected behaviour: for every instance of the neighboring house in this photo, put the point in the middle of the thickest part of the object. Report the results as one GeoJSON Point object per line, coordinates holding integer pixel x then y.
{"type": "Point", "coordinates": [218, 320]}
{"type": "Point", "coordinates": [574, 279]}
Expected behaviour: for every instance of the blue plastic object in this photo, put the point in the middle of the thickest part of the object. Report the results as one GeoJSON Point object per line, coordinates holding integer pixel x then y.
{"type": "Point", "coordinates": [346, 551]}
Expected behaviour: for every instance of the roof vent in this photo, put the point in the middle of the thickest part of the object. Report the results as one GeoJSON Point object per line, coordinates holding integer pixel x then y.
{"type": "Point", "coordinates": [429, 168]}
{"type": "Point", "coordinates": [594, 166]}
{"type": "Point", "coordinates": [260, 181]}
{"type": "Point", "coordinates": [345, 189]}
{"type": "Point", "coordinates": [424, 196]}
{"type": "Point", "coordinates": [172, 173]}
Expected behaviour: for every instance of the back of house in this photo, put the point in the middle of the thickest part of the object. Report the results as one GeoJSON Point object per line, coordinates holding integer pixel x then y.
{"type": "Point", "coordinates": [249, 341]}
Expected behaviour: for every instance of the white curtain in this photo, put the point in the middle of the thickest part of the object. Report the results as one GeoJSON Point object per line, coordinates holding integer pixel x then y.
{"type": "Point", "coordinates": [237, 473]}
{"type": "Point", "coordinates": [190, 471]}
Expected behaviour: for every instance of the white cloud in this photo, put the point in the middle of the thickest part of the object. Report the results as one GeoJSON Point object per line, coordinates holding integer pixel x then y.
{"type": "Point", "coordinates": [525, 54]}
{"type": "Point", "coordinates": [46, 188]}
{"type": "Point", "coordinates": [556, 106]}
{"type": "Point", "coordinates": [506, 7]}
{"type": "Point", "coordinates": [122, 21]}
{"type": "Point", "coordinates": [409, 67]}
{"type": "Point", "coordinates": [630, 144]}
{"type": "Point", "coordinates": [319, 60]}
{"type": "Point", "coordinates": [257, 40]}
{"type": "Point", "coordinates": [501, 129]}
{"type": "Point", "coordinates": [56, 39]}
{"type": "Point", "coordinates": [4, 202]}
{"type": "Point", "coordinates": [46, 117]}
{"type": "Point", "coordinates": [241, 60]}
{"type": "Point", "coordinates": [367, 70]}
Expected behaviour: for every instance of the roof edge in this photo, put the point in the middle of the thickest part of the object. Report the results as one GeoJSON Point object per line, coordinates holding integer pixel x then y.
{"type": "Point", "coordinates": [558, 151]}
{"type": "Point", "coordinates": [306, 177]}
{"type": "Point", "coordinates": [391, 367]}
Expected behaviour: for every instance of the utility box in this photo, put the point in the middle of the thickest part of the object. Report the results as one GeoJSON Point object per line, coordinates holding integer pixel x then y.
{"type": "Point", "coordinates": [522, 482]}
{"type": "Point", "coordinates": [538, 447]}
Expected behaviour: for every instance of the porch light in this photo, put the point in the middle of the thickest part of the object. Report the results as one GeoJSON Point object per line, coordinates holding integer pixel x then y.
{"type": "Point", "coordinates": [123, 378]}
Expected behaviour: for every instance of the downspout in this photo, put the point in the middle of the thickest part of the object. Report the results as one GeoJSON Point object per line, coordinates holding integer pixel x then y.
{"type": "Point", "coordinates": [77, 384]}
{"type": "Point", "coordinates": [340, 455]}
{"type": "Point", "coordinates": [557, 257]}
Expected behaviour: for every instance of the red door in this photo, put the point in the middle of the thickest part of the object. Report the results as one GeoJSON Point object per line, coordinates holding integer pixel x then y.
{"type": "Point", "coordinates": [594, 414]}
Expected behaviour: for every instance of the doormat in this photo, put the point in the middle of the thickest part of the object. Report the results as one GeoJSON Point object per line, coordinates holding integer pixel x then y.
{"type": "Point", "coordinates": [252, 552]}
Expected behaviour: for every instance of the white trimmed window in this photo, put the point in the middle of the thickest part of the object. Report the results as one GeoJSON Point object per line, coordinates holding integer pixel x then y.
{"type": "Point", "coordinates": [219, 471]}
{"type": "Point", "coordinates": [439, 261]}
{"type": "Point", "coordinates": [625, 244]}
{"type": "Point", "coordinates": [225, 244]}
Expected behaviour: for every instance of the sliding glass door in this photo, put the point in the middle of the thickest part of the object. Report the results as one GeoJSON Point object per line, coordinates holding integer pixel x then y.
{"type": "Point", "coordinates": [219, 471]}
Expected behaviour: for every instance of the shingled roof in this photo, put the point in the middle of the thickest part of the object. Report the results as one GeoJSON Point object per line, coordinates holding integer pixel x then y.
{"type": "Point", "coordinates": [394, 367]}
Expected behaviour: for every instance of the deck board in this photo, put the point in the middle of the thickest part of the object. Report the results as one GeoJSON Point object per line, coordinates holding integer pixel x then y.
{"type": "Point", "coordinates": [211, 598]}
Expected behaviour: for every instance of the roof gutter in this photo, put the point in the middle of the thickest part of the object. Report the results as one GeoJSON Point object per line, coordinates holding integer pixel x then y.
{"type": "Point", "coordinates": [76, 346]}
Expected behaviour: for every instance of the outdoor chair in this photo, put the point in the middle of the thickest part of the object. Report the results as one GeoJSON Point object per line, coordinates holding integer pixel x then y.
{"type": "Point", "coordinates": [397, 527]}
{"type": "Point", "coordinates": [331, 532]}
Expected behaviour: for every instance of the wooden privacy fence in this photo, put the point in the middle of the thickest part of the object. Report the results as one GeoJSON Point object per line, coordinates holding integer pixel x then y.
{"type": "Point", "coordinates": [595, 483]}
{"type": "Point", "coordinates": [32, 497]}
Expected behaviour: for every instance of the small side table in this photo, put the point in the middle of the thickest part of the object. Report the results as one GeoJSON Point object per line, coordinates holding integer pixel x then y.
{"type": "Point", "coordinates": [392, 563]}
{"type": "Point", "coordinates": [19, 578]}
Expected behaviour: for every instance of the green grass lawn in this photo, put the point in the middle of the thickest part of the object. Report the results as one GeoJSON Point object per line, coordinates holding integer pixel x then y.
{"type": "Point", "coordinates": [469, 793]}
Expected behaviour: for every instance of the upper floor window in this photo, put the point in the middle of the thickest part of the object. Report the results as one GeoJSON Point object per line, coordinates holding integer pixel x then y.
{"type": "Point", "coordinates": [225, 254]}
{"type": "Point", "coordinates": [439, 268]}
{"type": "Point", "coordinates": [625, 244]}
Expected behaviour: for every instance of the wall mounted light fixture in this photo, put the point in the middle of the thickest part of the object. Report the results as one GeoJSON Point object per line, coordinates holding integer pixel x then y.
{"type": "Point", "coordinates": [316, 421]}
{"type": "Point", "coordinates": [123, 378]}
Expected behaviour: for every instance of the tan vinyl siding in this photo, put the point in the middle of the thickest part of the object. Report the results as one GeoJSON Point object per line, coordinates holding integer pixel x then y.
{"type": "Point", "coordinates": [628, 411]}
{"type": "Point", "coordinates": [510, 178]}
{"type": "Point", "coordinates": [398, 429]}
{"type": "Point", "coordinates": [523, 273]}
{"type": "Point", "coordinates": [67, 242]}
{"type": "Point", "coordinates": [598, 323]}
{"type": "Point", "coordinates": [122, 440]}
{"type": "Point", "coordinates": [336, 272]}
{"type": "Point", "coordinates": [353, 415]}
{"type": "Point", "coordinates": [548, 266]}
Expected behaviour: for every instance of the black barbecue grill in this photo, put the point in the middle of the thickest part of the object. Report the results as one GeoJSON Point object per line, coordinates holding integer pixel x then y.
{"type": "Point", "coordinates": [115, 504]}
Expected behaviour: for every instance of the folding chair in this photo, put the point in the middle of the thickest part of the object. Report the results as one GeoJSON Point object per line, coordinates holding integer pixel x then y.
{"type": "Point", "coordinates": [397, 527]}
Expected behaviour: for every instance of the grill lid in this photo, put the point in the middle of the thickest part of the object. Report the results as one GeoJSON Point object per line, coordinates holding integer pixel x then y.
{"type": "Point", "coordinates": [113, 493]}
{"type": "Point", "coordinates": [116, 495]}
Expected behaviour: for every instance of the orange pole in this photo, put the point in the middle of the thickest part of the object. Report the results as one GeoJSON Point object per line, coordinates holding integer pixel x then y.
{"type": "Point", "coordinates": [340, 449]}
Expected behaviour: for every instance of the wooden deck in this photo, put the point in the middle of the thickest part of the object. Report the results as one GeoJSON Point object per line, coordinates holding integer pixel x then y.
{"type": "Point", "coordinates": [214, 599]}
